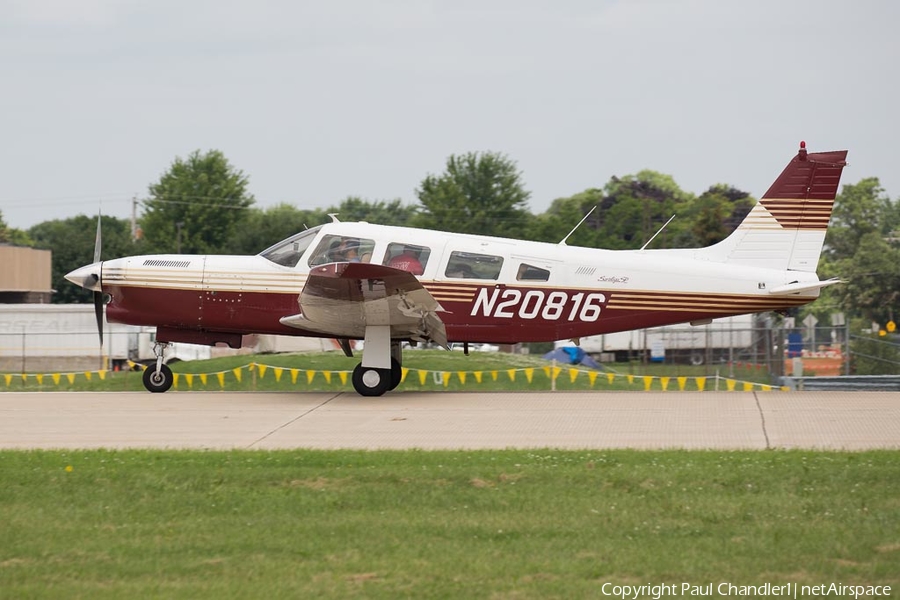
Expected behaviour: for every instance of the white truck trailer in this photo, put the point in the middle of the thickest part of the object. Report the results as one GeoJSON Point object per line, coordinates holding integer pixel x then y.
{"type": "Point", "coordinates": [718, 341]}
{"type": "Point", "coordinates": [42, 337]}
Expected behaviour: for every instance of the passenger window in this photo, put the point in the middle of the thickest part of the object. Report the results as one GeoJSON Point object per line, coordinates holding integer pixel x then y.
{"type": "Point", "coordinates": [528, 272]}
{"type": "Point", "coordinates": [342, 248]}
{"type": "Point", "coordinates": [467, 265]}
{"type": "Point", "coordinates": [407, 257]}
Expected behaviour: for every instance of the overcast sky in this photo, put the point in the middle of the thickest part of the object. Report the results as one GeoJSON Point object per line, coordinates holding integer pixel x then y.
{"type": "Point", "coordinates": [317, 101]}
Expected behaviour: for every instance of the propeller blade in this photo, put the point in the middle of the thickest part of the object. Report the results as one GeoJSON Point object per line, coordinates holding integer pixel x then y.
{"type": "Point", "coordinates": [97, 241]}
{"type": "Point", "coordinates": [98, 294]}
{"type": "Point", "coordinates": [98, 310]}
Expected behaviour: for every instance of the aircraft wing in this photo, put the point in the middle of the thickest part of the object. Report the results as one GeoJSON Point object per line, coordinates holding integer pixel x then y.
{"type": "Point", "coordinates": [341, 299]}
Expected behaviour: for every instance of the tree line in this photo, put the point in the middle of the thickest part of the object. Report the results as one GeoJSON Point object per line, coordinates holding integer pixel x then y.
{"type": "Point", "coordinates": [202, 204]}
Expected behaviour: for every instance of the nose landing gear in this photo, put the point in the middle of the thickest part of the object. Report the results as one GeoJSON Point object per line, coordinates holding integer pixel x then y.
{"type": "Point", "coordinates": [158, 379]}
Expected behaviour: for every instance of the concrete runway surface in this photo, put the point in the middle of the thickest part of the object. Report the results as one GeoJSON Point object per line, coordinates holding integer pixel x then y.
{"type": "Point", "coordinates": [577, 420]}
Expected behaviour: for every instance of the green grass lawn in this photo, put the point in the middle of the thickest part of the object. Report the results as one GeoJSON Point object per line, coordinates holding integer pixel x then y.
{"type": "Point", "coordinates": [389, 524]}
{"type": "Point", "coordinates": [433, 370]}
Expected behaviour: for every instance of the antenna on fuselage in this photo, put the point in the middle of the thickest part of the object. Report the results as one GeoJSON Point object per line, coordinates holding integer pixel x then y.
{"type": "Point", "coordinates": [658, 232]}
{"type": "Point", "coordinates": [563, 241]}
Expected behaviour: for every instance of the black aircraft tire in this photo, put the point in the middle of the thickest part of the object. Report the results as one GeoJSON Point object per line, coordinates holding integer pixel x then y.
{"type": "Point", "coordinates": [371, 382]}
{"type": "Point", "coordinates": [396, 374]}
{"type": "Point", "coordinates": [158, 382]}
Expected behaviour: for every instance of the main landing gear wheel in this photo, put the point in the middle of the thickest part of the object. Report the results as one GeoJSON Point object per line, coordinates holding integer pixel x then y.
{"type": "Point", "coordinates": [158, 382]}
{"type": "Point", "coordinates": [396, 374]}
{"type": "Point", "coordinates": [368, 381]}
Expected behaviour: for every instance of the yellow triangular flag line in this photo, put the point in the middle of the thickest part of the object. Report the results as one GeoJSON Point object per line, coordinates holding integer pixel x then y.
{"type": "Point", "coordinates": [630, 378]}
{"type": "Point", "coordinates": [422, 376]}
{"type": "Point", "coordinates": [556, 372]}
{"type": "Point", "coordinates": [403, 373]}
{"type": "Point", "coordinates": [729, 383]}
{"type": "Point", "coordinates": [309, 375]}
{"type": "Point", "coordinates": [573, 375]}
{"type": "Point", "coordinates": [610, 377]}
{"type": "Point", "coordinates": [648, 380]}
{"type": "Point", "coordinates": [494, 375]}
{"type": "Point", "coordinates": [445, 375]}
{"type": "Point", "coordinates": [748, 387]}
{"type": "Point", "coordinates": [203, 377]}
{"type": "Point", "coordinates": [682, 381]}
{"type": "Point", "coordinates": [56, 378]}
{"type": "Point", "coordinates": [237, 373]}
{"type": "Point", "coordinates": [294, 373]}
{"type": "Point", "coordinates": [87, 374]}
{"type": "Point", "coordinates": [478, 376]}
{"type": "Point", "coordinates": [327, 375]}
{"type": "Point", "coordinates": [546, 371]}
{"type": "Point", "coordinates": [665, 383]}
{"type": "Point", "coordinates": [278, 373]}
{"type": "Point", "coordinates": [8, 379]}
{"type": "Point", "coordinates": [102, 374]}
{"type": "Point", "coordinates": [175, 378]}
{"type": "Point", "coordinates": [24, 377]}
{"type": "Point", "coordinates": [462, 377]}
{"type": "Point", "coordinates": [701, 383]}
{"type": "Point", "coordinates": [512, 374]}
{"type": "Point", "coordinates": [189, 377]}
{"type": "Point", "coordinates": [40, 379]}
{"type": "Point", "coordinates": [343, 375]}
{"type": "Point", "coordinates": [221, 378]}
{"type": "Point", "coordinates": [592, 377]}
{"type": "Point", "coordinates": [262, 370]}
{"type": "Point", "coordinates": [767, 388]}
{"type": "Point", "coordinates": [70, 377]}
{"type": "Point", "coordinates": [529, 374]}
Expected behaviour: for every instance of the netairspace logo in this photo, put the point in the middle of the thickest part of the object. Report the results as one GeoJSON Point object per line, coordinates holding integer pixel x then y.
{"type": "Point", "coordinates": [786, 590]}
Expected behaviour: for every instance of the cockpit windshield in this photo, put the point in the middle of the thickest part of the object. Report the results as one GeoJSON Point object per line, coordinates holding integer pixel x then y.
{"type": "Point", "coordinates": [288, 252]}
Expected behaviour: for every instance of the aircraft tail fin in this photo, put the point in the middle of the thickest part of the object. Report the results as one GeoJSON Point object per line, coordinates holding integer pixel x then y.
{"type": "Point", "coordinates": [786, 228]}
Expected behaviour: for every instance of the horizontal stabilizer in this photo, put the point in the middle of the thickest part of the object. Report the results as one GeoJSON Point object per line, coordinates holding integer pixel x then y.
{"type": "Point", "coordinates": [797, 287]}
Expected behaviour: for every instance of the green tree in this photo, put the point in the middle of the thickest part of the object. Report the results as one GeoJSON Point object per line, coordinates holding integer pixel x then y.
{"type": "Point", "coordinates": [861, 247]}
{"type": "Point", "coordinates": [872, 290]}
{"type": "Point", "coordinates": [263, 228]}
{"type": "Point", "coordinates": [712, 216]}
{"type": "Point", "coordinates": [859, 209]}
{"type": "Point", "coordinates": [196, 206]}
{"type": "Point", "coordinates": [629, 211]}
{"type": "Point", "coordinates": [479, 193]}
{"type": "Point", "coordinates": [15, 237]}
{"type": "Point", "coordinates": [71, 242]}
{"type": "Point", "coordinates": [381, 212]}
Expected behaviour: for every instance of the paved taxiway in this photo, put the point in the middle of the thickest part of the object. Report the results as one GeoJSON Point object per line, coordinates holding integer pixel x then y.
{"type": "Point", "coordinates": [728, 420]}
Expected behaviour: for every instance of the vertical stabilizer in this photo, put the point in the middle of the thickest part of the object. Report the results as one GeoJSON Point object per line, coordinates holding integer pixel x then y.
{"type": "Point", "coordinates": [786, 228]}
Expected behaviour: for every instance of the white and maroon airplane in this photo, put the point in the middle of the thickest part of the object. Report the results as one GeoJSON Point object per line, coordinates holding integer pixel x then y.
{"type": "Point", "coordinates": [387, 284]}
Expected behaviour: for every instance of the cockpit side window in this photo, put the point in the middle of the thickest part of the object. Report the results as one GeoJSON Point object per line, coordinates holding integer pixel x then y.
{"type": "Point", "coordinates": [342, 248]}
{"type": "Point", "coordinates": [287, 253]}
{"type": "Point", "coordinates": [468, 265]}
{"type": "Point", "coordinates": [528, 272]}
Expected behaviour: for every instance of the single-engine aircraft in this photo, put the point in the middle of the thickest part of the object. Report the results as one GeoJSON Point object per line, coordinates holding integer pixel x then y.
{"type": "Point", "coordinates": [386, 285]}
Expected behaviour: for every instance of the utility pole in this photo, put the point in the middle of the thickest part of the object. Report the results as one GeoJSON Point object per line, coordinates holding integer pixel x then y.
{"type": "Point", "coordinates": [134, 233]}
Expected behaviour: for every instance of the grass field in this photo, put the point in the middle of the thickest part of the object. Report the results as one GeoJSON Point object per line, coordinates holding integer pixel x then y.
{"type": "Point", "coordinates": [509, 524]}
{"type": "Point", "coordinates": [426, 370]}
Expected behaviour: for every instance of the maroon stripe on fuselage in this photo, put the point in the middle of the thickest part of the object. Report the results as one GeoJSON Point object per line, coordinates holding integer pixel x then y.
{"type": "Point", "coordinates": [522, 316]}
{"type": "Point", "coordinates": [240, 312]}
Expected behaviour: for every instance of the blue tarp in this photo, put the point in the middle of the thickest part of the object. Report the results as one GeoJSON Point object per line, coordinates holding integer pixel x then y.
{"type": "Point", "coordinates": [572, 355]}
